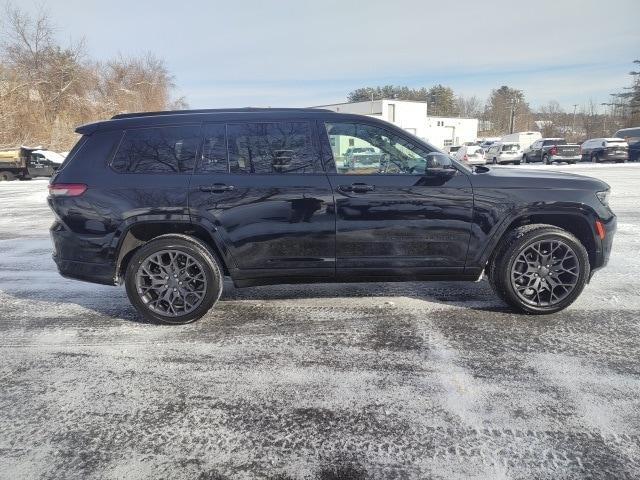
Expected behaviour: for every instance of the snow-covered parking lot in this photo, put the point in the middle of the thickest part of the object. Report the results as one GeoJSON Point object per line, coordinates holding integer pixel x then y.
{"type": "Point", "coordinates": [415, 380]}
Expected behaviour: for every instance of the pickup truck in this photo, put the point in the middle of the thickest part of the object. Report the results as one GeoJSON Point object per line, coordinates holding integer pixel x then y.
{"type": "Point", "coordinates": [549, 150]}
{"type": "Point", "coordinates": [25, 163]}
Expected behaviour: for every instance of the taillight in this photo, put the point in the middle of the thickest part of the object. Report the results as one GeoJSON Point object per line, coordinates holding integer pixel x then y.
{"type": "Point", "coordinates": [554, 150]}
{"type": "Point", "coordinates": [465, 158]}
{"type": "Point", "coordinates": [67, 189]}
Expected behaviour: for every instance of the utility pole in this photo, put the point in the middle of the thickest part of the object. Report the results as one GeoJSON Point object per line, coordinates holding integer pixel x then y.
{"type": "Point", "coordinates": [512, 116]}
{"type": "Point", "coordinates": [573, 124]}
{"type": "Point", "coordinates": [604, 123]}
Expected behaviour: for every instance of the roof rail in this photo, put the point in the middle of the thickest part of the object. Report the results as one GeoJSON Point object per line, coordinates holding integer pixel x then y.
{"type": "Point", "coordinates": [213, 110]}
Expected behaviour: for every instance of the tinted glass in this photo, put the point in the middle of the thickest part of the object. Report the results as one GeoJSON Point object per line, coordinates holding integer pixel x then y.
{"type": "Point", "coordinates": [378, 151]}
{"type": "Point", "coordinates": [510, 148]}
{"type": "Point", "coordinates": [157, 150]}
{"type": "Point", "coordinates": [283, 147]}
{"type": "Point", "coordinates": [214, 150]}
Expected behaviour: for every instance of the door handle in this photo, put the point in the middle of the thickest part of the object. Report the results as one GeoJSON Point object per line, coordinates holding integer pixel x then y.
{"type": "Point", "coordinates": [357, 188]}
{"type": "Point", "coordinates": [216, 188]}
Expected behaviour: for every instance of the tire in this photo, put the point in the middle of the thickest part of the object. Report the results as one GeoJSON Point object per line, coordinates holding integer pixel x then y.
{"type": "Point", "coordinates": [7, 176]}
{"type": "Point", "coordinates": [506, 260]}
{"type": "Point", "coordinates": [516, 163]}
{"type": "Point", "coordinates": [182, 247]}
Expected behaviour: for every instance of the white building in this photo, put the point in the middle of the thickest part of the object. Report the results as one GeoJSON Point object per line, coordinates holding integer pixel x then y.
{"type": "Point", "coordinates": [412, 116]}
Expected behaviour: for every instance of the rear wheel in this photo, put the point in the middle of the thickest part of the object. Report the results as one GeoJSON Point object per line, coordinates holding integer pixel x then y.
{"type": "Point", "coordinates": [173, 279]}
{"type": "Point", "coordinates": [6, 176]}
{"type": "Point", "coordinates": [539, 269]}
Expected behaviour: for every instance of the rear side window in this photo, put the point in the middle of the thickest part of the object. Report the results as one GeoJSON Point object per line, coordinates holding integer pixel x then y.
{"type": "Point", "coordinates": [214, 150]}
{"type": "Point", "coordinates": [157, 150]}
{"type": "Point", "coordinates": [283, 147]}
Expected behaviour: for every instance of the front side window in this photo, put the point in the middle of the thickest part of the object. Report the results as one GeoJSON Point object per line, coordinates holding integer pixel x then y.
{"type": "Point", "coordinates": [261, 148]}
{"type": "Point", "coordinates": [157, 150]}
{"type": "Point", "coordinates": [362, 149]}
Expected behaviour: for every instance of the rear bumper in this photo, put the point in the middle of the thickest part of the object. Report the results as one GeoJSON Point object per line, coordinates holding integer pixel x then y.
{"type": "Point", "coordinates": [102, 273]}
{"type": "Point", "coordinates": [81, 257]}
{"type": "Point", "coordinates": [615, 157]}
{"type": "Point", "coordinates": [560, 158]}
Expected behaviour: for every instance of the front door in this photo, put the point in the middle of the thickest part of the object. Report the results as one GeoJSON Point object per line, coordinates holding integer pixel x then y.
{"type": "Point", "coordinates": [261, 191]}
{"type": "Point", "coordinates": [405, 211]}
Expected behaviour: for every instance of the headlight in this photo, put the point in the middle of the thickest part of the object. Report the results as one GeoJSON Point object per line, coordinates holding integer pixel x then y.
{"type": "Point", "coordinates": [604, 197]}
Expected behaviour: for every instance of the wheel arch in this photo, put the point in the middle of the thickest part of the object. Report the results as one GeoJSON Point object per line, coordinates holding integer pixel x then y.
{"type": "Point", "coordinates": [578, 224]}
{"type": "Point", "coordinates": [140, 233]}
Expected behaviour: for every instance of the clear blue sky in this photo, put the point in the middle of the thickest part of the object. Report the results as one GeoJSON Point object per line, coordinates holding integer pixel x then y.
{"type": "Point", "coordinates": [299, 53]}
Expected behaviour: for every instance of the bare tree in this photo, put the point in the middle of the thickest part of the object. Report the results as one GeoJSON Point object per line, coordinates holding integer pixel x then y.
{"type": "Point", "coordinates": [469, 107]}
{"type": "Point", "coordinates": [47, 89]}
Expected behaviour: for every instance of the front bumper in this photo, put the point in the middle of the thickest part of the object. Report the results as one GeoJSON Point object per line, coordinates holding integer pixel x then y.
{"type": "Point", "coordinates": [603, 250]}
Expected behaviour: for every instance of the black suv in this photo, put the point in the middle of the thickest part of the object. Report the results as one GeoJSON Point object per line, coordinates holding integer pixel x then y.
{"type": "Point", "coordinates": [171, 202]}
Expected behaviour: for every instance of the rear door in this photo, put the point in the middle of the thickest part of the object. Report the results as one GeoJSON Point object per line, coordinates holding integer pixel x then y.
{"type": "Point", "coordinates": [407, 215]}
{"type": "Point", "coordinates": [261, 191]}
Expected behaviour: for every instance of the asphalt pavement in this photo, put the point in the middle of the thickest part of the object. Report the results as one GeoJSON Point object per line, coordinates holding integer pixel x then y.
{"type": "Point", "coordinates": [338, 381]}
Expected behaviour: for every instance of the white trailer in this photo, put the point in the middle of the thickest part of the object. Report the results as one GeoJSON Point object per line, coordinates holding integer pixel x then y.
{"type": "Point", "coordinates": [524, 139]}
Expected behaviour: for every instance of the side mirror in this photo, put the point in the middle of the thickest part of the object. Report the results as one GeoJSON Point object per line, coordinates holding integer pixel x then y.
{"type": "Point", "coordinates": [442, 172]}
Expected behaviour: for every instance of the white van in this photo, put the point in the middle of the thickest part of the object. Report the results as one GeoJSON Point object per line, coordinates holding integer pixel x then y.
{"type": "Point", "coordinates": [524, 139]}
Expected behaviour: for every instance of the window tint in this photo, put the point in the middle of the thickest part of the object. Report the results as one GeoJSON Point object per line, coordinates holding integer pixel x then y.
{"type": "Point", "coordinates": [361, 149]}
{"type": "Point", "coordinates": [283, 147]}
{"type": "Point", "coordinates": [157, 150]}
{"type": "Point", "coordinates": [214, 150]}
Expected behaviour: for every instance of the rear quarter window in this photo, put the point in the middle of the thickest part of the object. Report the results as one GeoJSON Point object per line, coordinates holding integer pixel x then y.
{"type": "Point", "coordinates": [157, 150]}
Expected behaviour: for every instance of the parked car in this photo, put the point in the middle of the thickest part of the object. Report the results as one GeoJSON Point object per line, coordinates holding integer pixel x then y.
{"type": "Point", "coordinates": [550, 150]}
{"type": "Point", "coordinates": [504, 152]}
{"type": "Point", "coordinates": [632, 137]}
{"type": "Point", "coordinates": [524, 139]}
{"type": "Point", "coordinates": [361, 156]}
{"type": "Point", "coordinates": [169, 203]}
{"type": "Point", "coordinates": [471, 155]}
{"type": "Point", "coordinates": [604, 150]}
{"type": "Point", "coordinates": [453, 149]}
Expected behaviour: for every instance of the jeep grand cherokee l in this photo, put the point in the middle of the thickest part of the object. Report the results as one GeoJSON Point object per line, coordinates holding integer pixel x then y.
{"type": "Point", "coordinates": [169, 203]}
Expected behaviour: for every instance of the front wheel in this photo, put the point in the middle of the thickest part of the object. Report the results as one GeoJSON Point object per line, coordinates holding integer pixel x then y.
{"type": "Point", "coordinates": [173, 279]}
{"type": "Point", "coordinates": [539, 269]}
